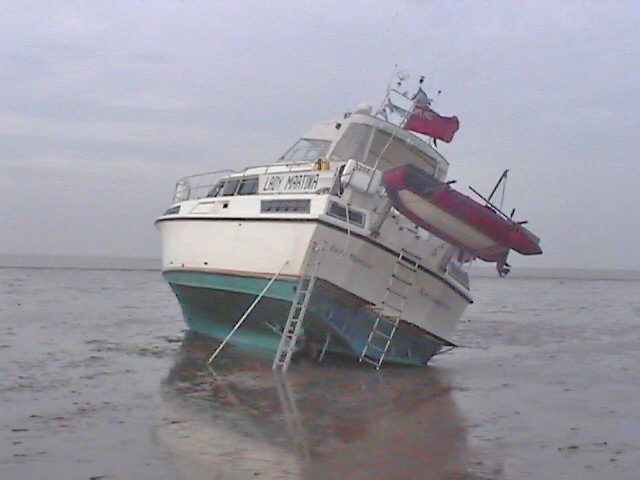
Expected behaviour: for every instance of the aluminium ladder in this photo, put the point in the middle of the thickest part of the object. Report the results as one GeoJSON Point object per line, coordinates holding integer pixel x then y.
{"type": "Point", "coordinates": [293, 326]}
{"type": "Point", "coordinates": [395, 296]}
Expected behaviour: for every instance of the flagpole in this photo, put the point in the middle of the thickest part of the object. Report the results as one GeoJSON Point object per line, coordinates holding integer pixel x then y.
{"type": "Point", "coordinates": [405, 119]}
{"type": "Point", "coordinates": [424, 120]}
{"type": "Point", "coordinates": [413, 105]}
{"type": "Point", "coordinates": [385, 99]}
{"type": "Point", "coordinates": [401, 77]}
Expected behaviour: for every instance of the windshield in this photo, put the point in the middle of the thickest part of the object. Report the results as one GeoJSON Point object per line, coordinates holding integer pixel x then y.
{"type": "Point", "coordinates": [306, 150]}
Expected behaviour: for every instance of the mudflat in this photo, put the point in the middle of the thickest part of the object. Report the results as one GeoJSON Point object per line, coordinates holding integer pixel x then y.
{"type": "Point", "coordinates": [100, 381]}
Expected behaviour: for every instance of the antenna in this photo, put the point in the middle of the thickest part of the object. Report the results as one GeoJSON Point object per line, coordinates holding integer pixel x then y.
{"type": "Point", "coordinates": [401, 75]}
{"type": "Point", "coordinates": [494, 207]}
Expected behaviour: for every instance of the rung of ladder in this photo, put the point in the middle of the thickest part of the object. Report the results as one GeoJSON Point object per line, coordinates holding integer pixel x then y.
{"type": "Point", "coordinates": [391, 321]}
{"type": "Point", "coordinates": [392, 307]}
{"type": "Point", "coordinates": [375, 347]}
{"type": "Point", "coordinates": [408, 261]}
{"type": "Point", "coordinates": [408, 266]}
{"type": "Point", "coordinates": [402, 276]}
{"type": "Point", "coordinates": [401, 295]}
{"type": "Point", "coordinates": [382, 334]}
{"type": "Point", "coordinates": [407, 253]}
{"type": "Point", "coordinates": [372, 362]}
{"type": "Point", "coordinates": [406, 282]}
{"type": "Point", "coordinates": [293, 325]}
{"type": "Point", "coordinates": [384, 321]}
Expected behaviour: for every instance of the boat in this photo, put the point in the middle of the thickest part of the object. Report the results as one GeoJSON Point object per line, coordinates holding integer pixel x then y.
{"type": "Point", "coordinates": [313, 254]}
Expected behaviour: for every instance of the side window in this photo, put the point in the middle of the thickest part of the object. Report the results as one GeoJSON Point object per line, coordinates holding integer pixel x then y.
{"type": "Point", "coordinates": [306, 150]}
{"type": "Point", "coordinates": [286, 206]}
{"type": "Point", "coordinates": [389, 152]}
{"type": "Point", "coordinates": [230, 188]}
{"type": "Point", "coordinates": [340, 211]}
{"type": "Point", "coordinates": [353, 143]}
{"type": "Point", "coordinates": [248, 186]}
{"type": "Point", "coordinates": [215, 191]}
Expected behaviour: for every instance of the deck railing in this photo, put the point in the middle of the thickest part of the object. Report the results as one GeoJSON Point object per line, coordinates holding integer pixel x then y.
{"type": "Point", "coordinates": [199, 185]}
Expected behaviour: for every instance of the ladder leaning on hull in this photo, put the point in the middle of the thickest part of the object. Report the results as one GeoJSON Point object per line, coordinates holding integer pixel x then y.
{"type": "Point", "coordinates": [395, 296]}
{"type": "Point", "coordinates": [293, 326]}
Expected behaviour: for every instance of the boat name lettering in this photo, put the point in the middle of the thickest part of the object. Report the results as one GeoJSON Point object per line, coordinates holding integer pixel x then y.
{"type": "Point", "coordinates": [291, 182]}
{"type": "Point", "coordinates": [272, 183]}
{"type": "Point", "coordinates": [302, 182]}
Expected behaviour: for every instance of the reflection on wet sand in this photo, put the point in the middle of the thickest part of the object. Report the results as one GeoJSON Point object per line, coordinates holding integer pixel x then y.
{"type": "Point", "coordinates": [328, 421]}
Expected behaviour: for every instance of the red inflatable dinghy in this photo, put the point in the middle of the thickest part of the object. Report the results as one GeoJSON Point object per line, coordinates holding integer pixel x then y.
{"type": "Point", "coordinates": [456, 218]}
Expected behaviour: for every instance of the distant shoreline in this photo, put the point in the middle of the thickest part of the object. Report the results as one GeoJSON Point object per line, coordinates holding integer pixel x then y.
{"type": "Point", "coordinates": [154, 264]}
{"type": "Point", "coordinates": [79, 263]}
{"type": "Point", "coordinates": [559, 273]}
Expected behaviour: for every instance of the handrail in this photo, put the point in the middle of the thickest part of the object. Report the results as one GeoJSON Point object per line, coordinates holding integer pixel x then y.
{"type": "Point", "coordinates": [266, 166]}
{"type": "Point", "coordinates": [215, 172]}
{"type": "Point", "coordinates": [186, 191]}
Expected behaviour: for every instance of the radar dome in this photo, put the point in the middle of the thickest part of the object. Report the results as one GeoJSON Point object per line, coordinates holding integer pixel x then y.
{"type": "Point", "coordinates": [365, 108]}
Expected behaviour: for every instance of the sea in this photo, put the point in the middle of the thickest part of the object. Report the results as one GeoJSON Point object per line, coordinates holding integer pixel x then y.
{"type": "Point", "coordinates": [101, 381]}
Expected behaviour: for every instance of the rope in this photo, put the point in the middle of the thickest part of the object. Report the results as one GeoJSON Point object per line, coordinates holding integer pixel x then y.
{"type": "Point", "coordinates": [246, 314]}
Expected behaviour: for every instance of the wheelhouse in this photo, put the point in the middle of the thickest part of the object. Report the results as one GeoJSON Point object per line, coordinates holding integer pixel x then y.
{"type": "Point", "coordinates": [315, 163]}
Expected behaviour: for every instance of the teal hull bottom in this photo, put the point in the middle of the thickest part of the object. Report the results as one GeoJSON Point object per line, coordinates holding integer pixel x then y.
{"type": "Point", "coordinates": [213, 303]}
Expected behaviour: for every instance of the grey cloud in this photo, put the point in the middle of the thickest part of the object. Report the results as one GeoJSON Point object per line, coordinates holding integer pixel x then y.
{"type": "Point", "coordinates": [122, 99]}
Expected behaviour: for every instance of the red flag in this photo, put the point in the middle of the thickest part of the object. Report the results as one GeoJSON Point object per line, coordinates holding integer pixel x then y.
{"type": "Point", "coordinates": [424, 120]}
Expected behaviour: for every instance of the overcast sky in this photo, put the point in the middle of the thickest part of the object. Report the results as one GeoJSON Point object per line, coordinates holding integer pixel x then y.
{"type": "Point", "coordinates": [104, 104]}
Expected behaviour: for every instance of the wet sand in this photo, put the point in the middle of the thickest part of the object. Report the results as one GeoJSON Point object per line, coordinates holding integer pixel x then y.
{"type": "Point", "coordinates": [99, 382]}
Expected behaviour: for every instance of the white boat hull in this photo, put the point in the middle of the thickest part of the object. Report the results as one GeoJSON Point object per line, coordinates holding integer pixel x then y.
{"type": "Point", "coordinates": [354, 263]}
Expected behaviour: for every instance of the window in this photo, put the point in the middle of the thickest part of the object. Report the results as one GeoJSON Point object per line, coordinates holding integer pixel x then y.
{"type": "Point", "coordinates": [306, 150]}
{"type": "Point", "coordinates": [236, 186]}
{"type": "Point", "coordinates": [230, 187]}
{"type": "Point", "coordinates": [395, 151]}
{"type": "Point", "coordinates": [353, 143]}
{"type": "Point", "coordinates": [358, 144]}
{"type": "Point", "coordinates": [173, 210]}
{"type": "Point", "coordinates": [285, 206]}
{"type": "Point", "coordinates": [248, 186]}
{"type": "Point", "coordinates": [215, 191]}
{"type": "Point", "coordinates": [340, 211]}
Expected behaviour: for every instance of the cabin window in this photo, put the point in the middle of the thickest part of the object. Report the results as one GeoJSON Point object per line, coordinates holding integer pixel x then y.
{"type": "Point", "coordinates": [395, 151]}
{"type": "Point", "coordinates": [215, 191]}
{"type": "Point", "coordinates": [340, 211]}
{"type": "Point", "coordinates": [306, 150]}
{"type": "Point", "coordinates": [353, 143]}
{"type": "Point", "coordinates": [230, 187]}
{"type": "Point", "coordinates": [357, 143]}
{"type": "Point", "coordinates": [248, 186]}
{"type": "Point", "coordinates": [173, 210]}
{"type": "Point", "coordinates": [244, 186]}
{"type": "Point", "coordinates": [285, 206]}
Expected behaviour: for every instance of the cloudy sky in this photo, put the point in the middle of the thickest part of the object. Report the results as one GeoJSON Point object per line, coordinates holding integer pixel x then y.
{"type": "Point", "coordinates": [104, 104]}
